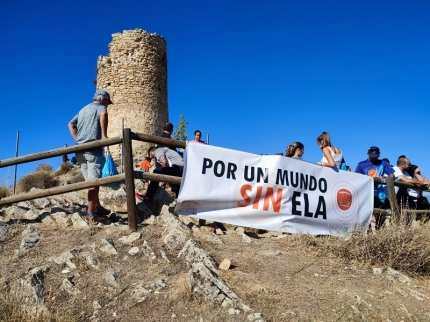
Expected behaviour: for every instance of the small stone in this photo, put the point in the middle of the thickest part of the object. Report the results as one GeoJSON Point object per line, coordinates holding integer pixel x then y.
{"type": "Point", "coordinates": [256, 316]}
{"type": "Point", "coordinates": [240, 230]}
{"type": "Point", "coordinates": [246, 238]}
{"type": "Point", "coordinates": [225, 264]}
{"type": "Point", "coordinates": [107, 246]}
{"type": "Point", "coordinates": [377, 270]}
{"type": "Point", "coordinates": [134, 251]}
{"type": "Point", "coordinates": [130, 238]}
{"type": "Point", "coordinates": [233, 311]}
{"type": "Point", "coordinates": [219, 231]}
{"type": "Point", "coordinates": [97, 305]}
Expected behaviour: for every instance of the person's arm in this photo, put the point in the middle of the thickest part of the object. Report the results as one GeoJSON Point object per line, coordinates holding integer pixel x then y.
{"type": "Point", "coordinates": [389, 171]}
{"type": "Point", "coordinates": [410, 180]}
{"type": "Point", "coordinates": [104, 123]}
{"type": "Point", "coordinates": [164, 162]}
{"type": "Point", "coordinates": [330, 162]}
{"type": "Point", "coordinates": [73, 130]}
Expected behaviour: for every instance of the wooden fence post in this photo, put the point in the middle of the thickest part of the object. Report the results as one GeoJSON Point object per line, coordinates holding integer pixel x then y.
{"type": "Point", "coordinates": [395, 212]}
{"type": "Point", "coordinates": [129, 179]}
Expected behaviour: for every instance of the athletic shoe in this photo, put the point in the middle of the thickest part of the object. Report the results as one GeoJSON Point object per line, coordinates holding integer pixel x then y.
{"type": "Point", "coordinates": [95, 218]}
{"type": "Point", "coordinates": [102, 211]}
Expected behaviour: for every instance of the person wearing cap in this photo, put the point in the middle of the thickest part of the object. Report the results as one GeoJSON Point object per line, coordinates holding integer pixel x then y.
{"type": "Point", "coordinates": [91, 124]}
{"type": "Point", "coordinates": [374, 167]}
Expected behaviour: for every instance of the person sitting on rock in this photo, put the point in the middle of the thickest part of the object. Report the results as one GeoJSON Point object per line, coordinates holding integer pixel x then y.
{"type": "Point", "coordinates": [169, 162]}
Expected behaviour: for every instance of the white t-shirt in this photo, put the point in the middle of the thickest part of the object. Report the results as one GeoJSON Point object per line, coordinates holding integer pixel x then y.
{"type": "Point", "coordinates": [337, 158]}
{"type": "Point", "coordinates": [412, 192]}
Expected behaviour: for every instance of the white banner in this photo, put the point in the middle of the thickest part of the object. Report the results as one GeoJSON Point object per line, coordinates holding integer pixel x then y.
{"type": "Point", "coordinates": [273, 192]}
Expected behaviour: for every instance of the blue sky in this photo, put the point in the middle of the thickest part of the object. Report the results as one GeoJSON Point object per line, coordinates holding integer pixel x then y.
{"type": "Point", "coordinates": [256, 75]}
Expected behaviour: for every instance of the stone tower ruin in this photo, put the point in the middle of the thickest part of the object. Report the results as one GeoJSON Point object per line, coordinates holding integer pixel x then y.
{"type": "Point", "coordinates": [135, 75]}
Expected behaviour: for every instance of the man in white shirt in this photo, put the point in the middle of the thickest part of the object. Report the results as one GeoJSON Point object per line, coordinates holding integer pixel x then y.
{"type": "Point", "coordinates": [402, 175]}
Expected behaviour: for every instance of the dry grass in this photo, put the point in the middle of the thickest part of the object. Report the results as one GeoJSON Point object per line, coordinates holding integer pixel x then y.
{"type": "Point", "coordinates": [11, 311]}
{"type": "Point", "coordinates": [44, 167]}
{"type": "Point", "coordinates": [400, 245]}
{"type": "Point", "coordinates": [64, 169]}
{"type": "Point", "coordinates": [43, 178]}
{"type": "Point", "coordinates": [4, 192]}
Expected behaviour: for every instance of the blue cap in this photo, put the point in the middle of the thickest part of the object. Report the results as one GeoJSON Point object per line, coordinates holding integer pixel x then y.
{"type": "Point", "coordinates": [373, 152]}
{"type": "Point", "coordinates": [100, 94]}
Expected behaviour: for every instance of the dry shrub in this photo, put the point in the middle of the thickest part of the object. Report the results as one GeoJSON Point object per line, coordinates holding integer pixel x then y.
{"type": "Point", "coordinates": [44, 167]}
{"type": "Point", "coordinates": [64, 168]}
{"type": "Point", "coordinates": [4, 192]}
{"type": "Point", "coordinates": [40, 179]}
{"type": "Point", "coordinates": [400, 245]}
{"type": "Point", "coordinates": [12, 311]}
{"type": "Point", "coordinates": [77, 178]}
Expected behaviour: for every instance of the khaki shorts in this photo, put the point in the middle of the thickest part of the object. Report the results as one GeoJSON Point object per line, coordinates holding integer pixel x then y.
{"type": "Point", "coordinates": [91, 164]}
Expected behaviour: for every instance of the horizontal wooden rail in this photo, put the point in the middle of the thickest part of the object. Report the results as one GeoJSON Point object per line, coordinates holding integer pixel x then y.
{"type": "Point", "coordinates": [60, 151]}
{"type": "Point", "coordinates": [403, 184]}
{"type": "Point", "coordinates": [157, 177]}
{"type": "Point", "coordinates": [158, 140]}
{"type": "Point", "coordinates": [61, 189]}
{"type": "Point", "coordinates": [87, 184]}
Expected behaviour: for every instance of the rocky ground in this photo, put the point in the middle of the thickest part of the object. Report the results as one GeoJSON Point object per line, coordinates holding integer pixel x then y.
{"type": "Point", "coordinates": [178, 268]}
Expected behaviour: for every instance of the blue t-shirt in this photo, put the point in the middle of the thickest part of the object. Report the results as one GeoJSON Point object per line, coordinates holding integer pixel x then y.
{"type": "Point", "coordinates": [378, 168]}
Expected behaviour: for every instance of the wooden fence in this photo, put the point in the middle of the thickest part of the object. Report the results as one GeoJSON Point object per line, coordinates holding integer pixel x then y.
{"type": "Point", "coordinates": [129, 174]}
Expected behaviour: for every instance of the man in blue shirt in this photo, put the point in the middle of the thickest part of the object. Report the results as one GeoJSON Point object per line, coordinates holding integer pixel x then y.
{"type": "Point", "coordinates": [374, 167]}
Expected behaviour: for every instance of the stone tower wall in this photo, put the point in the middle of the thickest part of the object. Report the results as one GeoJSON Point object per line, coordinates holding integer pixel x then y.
{"type": "Point", "coordinates": [135, 75]}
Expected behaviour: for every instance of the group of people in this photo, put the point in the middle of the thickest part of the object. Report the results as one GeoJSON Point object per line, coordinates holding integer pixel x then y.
{"type": "Point", "coordinates": [91, 123]}
{"type": "Point", "coordinates": [404, 171]}
{"type": "Point", "coordinates": [168, 161]}
{"type": "Point", "coordinates": [332, 156]}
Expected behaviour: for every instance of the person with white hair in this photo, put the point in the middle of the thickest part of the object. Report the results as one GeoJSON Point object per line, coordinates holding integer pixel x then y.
{"type": "Point", "coordinates": [91, 124]}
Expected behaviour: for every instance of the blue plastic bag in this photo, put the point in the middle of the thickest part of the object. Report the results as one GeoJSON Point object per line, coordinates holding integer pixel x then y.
{"type": "Point", "coordinates": [109, 169]}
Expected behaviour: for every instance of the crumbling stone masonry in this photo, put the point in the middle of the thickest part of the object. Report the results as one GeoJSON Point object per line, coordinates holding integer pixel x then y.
{"type": "Point", "coordinates": [135, 75]}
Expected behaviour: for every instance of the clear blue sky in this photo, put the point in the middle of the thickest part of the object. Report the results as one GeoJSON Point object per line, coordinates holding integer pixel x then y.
{"type": "Point", "coordinates": [255, 76]}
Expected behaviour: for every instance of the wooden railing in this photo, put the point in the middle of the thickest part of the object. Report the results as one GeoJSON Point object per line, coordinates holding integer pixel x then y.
{"type": "Point", "coordinates": [129, 174]}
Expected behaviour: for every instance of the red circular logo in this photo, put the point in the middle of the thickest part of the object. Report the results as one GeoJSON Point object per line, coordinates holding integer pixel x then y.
{"type": "Point", "coordinates": [344, 199]}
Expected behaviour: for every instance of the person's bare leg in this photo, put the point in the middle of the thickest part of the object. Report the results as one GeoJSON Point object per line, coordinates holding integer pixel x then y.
{"type": "Point", "coordinates": [93, 199]}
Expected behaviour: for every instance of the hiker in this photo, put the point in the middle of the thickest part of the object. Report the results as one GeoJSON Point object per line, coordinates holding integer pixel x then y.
{"type": "Point", "coordinates": [64, 157]}
{"type": "Point", "coordinates": [416, 196]}
{"type": "Point", "coordinates": [144, 166]}
{"type": "Point", "coordinates": [295, 151]}
{"type": "Point", "coordinates": [332, 156]}
{"type": "Point", "coordinates": [197, 137]}
{"type": "Point", "coordinates": [91, 124]}
{"type": "Point", "coordinates": [401, 174]}
{"type": "Point", "coordinates": [373, 167]}
{"type": "Point", "coordinates": [169, 163]}
{"type": "Point", "coordinates": [167, 133]}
